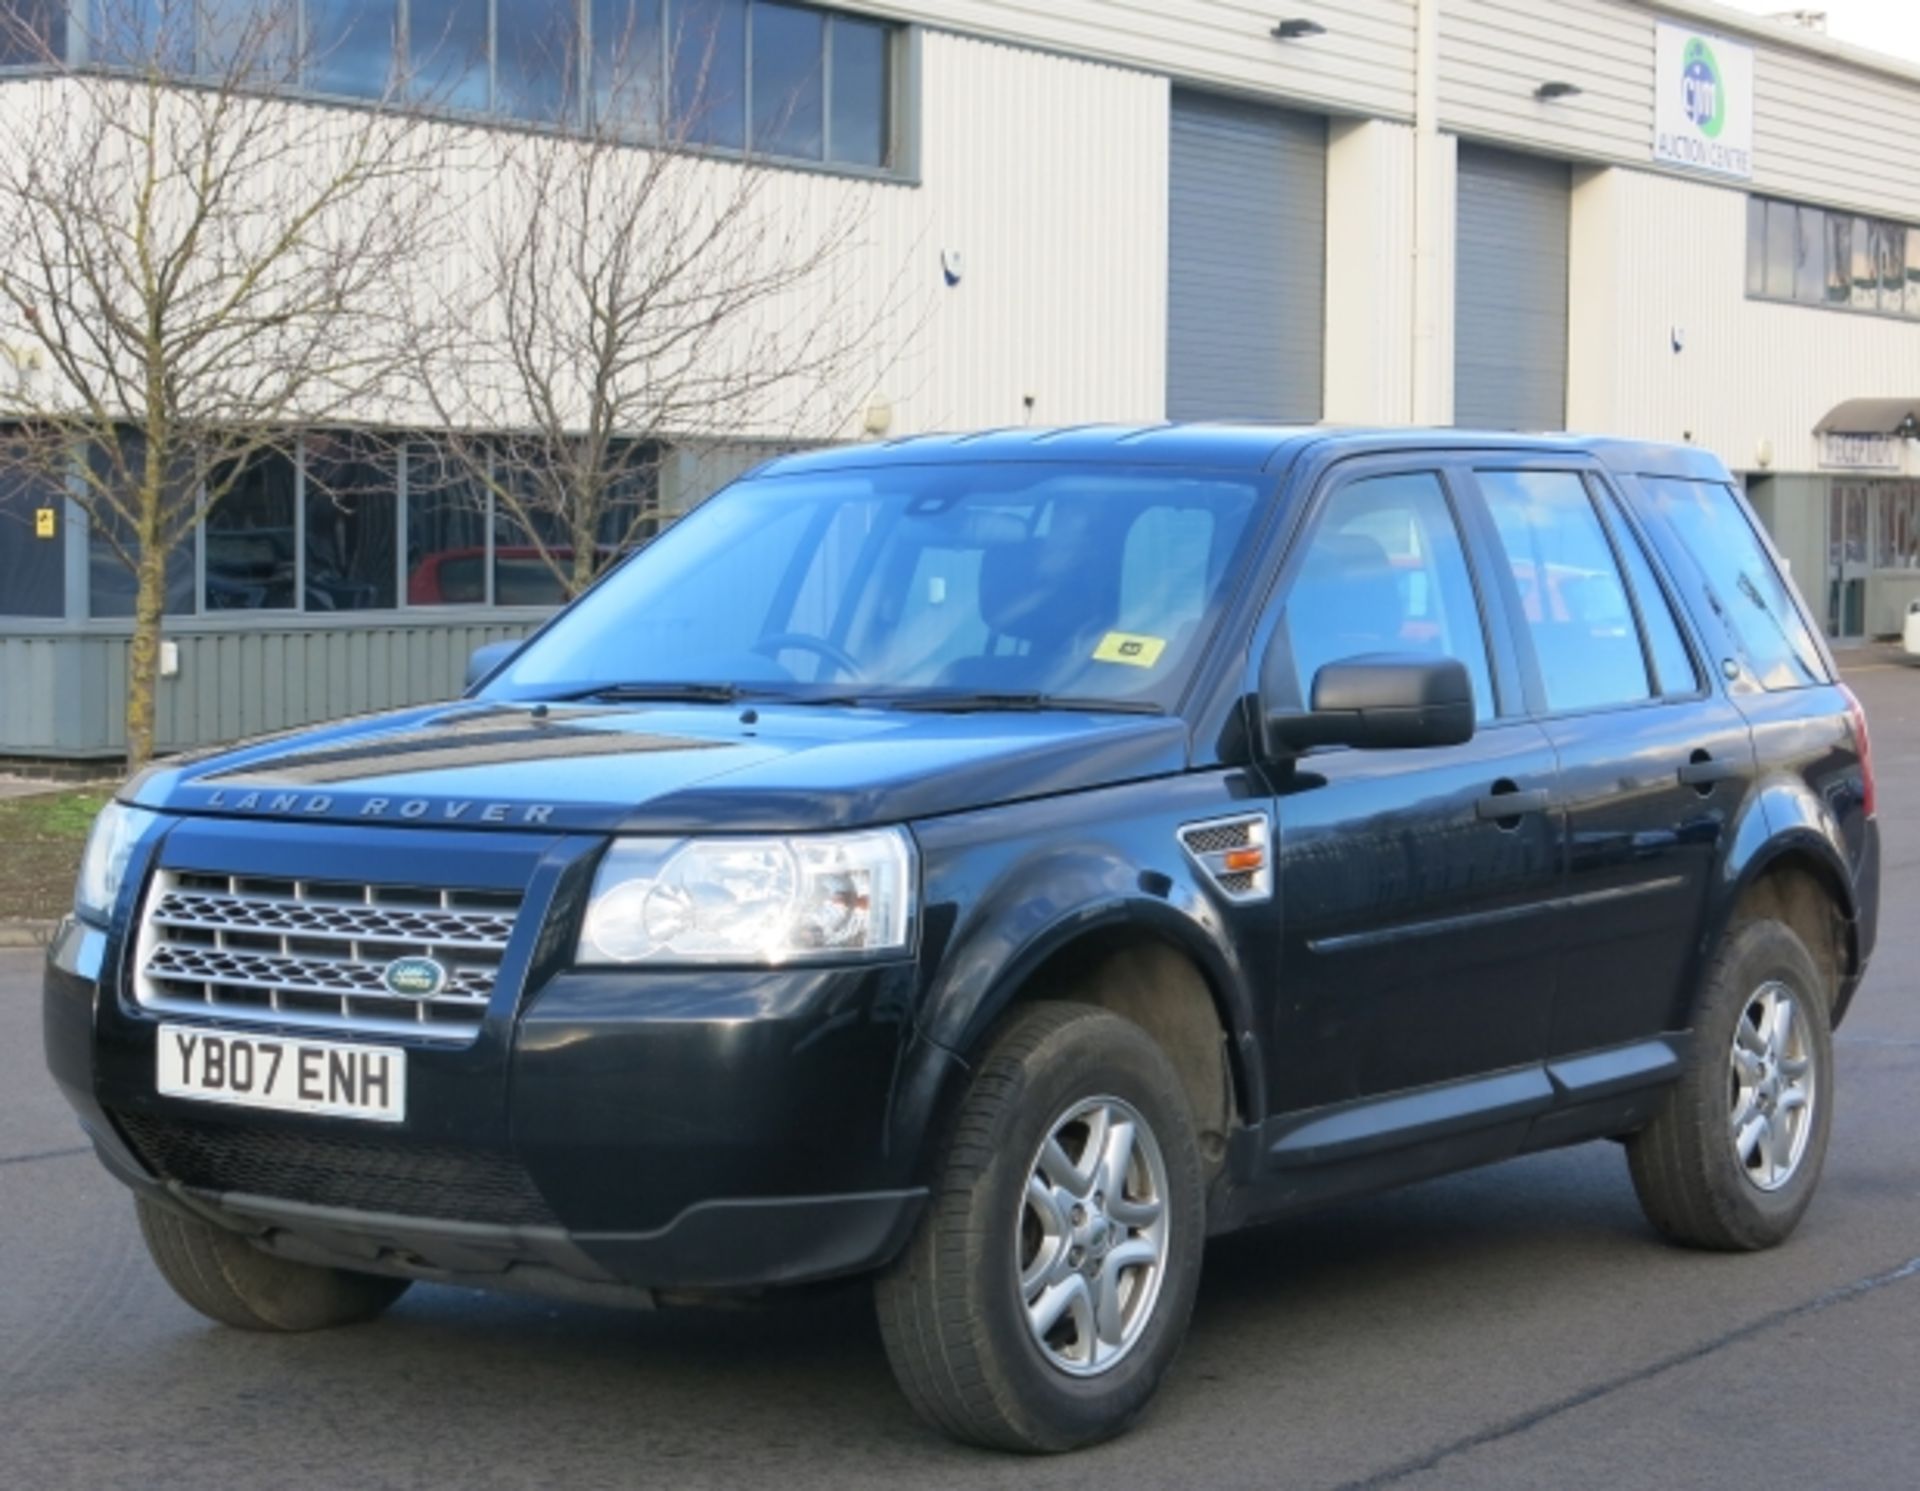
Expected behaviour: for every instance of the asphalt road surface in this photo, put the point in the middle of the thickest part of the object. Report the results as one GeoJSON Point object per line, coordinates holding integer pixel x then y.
{"type": "Point", "coordinates": [1519, 1327]}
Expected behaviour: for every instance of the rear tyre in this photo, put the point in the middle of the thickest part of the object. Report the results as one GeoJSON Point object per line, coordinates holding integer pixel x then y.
{"type": "Point", "coordinates": [228, 1280]}
{"type": "Point", "coordinates": [1733, 1159]}
{"type": "Point", "coordinates": [1050, 1282]}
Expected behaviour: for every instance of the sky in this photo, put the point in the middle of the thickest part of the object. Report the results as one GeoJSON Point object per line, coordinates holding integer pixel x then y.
{"type": "Point", "coordinates": [1884, 25]}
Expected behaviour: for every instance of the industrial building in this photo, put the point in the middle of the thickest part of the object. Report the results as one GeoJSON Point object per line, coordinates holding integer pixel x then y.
{"type": "Point", "coordinates": [1666, 220]}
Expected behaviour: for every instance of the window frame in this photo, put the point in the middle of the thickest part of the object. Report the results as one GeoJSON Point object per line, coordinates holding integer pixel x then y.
{"type": "Point", "coordinates": [1880, 228]}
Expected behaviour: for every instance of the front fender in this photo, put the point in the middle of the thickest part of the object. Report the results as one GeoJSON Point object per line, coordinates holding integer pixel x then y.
{"type": "Point", "coordinates": [1083, 870]}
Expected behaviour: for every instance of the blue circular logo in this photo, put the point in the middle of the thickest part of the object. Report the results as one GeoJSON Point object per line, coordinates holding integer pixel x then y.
{"type": "Point", "coordinates": [415, 978]}
{"type": "Point", "coordinates": [1703, 92]}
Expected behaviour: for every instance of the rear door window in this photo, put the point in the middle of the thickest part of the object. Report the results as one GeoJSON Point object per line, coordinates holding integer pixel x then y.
{"type": "Point", "coordinates": [1751, 595]}
{"type": "Point", "coordinates": [1572, 596]}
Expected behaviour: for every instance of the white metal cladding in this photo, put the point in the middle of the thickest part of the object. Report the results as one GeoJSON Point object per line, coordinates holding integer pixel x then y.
{"type": "Point", "coordinates": [1510, 299]}
{"type": "Point", "coordinates": [1831, 134]}
{"type": "Point", "coordinates": [1246, 261]}
{"type": "Point", "coordinates": [1827, 128]}
{"type": "Point", "coordinates": [1362, 63]}
{"type": "Point", "coordinates": [1495, 53]}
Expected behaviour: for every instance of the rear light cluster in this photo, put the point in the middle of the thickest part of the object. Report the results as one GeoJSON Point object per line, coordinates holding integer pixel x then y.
{"type": "Point", "coordinates": [1868, 798]}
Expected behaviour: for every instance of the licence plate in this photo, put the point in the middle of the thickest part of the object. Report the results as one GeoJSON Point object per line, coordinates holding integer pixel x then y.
{"type": "Point", "coordinates": [327, 1078]}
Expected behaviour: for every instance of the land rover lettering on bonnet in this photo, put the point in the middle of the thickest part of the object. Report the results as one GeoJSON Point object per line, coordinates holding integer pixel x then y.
{"type": "Point", "coordinates": [989, 867]}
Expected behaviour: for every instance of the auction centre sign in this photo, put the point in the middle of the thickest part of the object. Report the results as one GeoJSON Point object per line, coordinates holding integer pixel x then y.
{"type": "Point", "coordinates": [1703, 101]}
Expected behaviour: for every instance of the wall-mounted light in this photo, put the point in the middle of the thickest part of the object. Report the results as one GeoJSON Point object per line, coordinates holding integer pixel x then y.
{"type": "Point", "coordinates": [1548, 92]}
{"type": "Point", "coordinates": [1908, 428]}
{"type": "Point", "coordinates": [1295, 27]}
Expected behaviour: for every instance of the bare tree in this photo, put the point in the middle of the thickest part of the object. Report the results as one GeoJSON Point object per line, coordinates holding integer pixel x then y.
{"type": "Point", "coordinates": [630, 288]}
{"type": "Point", "coordinates": [192, 268]}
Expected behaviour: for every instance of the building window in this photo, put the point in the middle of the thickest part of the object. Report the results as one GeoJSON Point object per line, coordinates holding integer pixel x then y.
{"type": "Point", "coordinates": [627, 58]}
{"type": "Point", "coordinates": [859, 126]}
{"type": "Point", "coordinates": [336, 522]}
{"type": "Point", "coordinates": [447, 524]}
{"type": "Point", "coordinates": [1898, 540]}
{"type": "Point", "coordinates": [535, 53]}
{"type": "Point", "coordinates": [352, 523]}
{"type": "Point", "coordinates": [448, 42]}
{"type": "Point", "coordinates": [33, 522]}
{"type": "Point", "coordinates": [32, 32]}
{"type": "Point", "coordinates": [252, 542]}
{"type": "Point", "coordinates": [781, 80]}
{"type": "Point", "coordinates": [708, 62]}
{"type": "Point", "coordinates": [789, 81]}
{"type": "Point", "coordinates": [113, 549]}
{"type": "Point", "coordinates": [1811, 256]}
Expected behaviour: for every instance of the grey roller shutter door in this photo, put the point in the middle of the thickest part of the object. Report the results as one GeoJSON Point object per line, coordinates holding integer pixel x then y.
{"type": "Point", "coordinates": [1510, 304]}
{"type": "Point", "coordinates": [1246, 261]}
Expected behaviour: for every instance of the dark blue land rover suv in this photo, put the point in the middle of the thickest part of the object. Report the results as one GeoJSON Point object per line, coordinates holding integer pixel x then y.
{"type": "Point", "coordinates": [993, 865]}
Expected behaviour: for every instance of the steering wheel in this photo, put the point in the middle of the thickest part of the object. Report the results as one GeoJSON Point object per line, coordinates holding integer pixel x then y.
{"type": "Point", "coordinates": [842, 660]}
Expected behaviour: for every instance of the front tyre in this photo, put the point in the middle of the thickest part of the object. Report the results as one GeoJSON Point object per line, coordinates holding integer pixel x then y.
{"type": "Point", "coordinates": [228, 1280]}
{"type": "Point", "coordinates": [1049, 1284]}
{"type": "Point", "coordinates": [1733, 1159]}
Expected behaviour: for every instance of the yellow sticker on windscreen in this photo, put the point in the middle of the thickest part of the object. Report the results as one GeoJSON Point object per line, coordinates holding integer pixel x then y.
{"type": "Point", "coordinates": [1130, 648]}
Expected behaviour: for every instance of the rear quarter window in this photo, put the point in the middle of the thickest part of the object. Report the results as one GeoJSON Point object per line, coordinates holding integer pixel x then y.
{"type": "Point", "coordinates": [1753, 598]}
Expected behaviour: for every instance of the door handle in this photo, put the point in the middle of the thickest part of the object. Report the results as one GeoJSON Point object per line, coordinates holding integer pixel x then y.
{"type": "Point", "coordinates": [1704, 771]}
{"type": "Point", "coordinates": [1502, 805]}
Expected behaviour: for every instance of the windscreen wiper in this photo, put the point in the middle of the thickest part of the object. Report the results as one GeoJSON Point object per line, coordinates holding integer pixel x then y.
{"type": "Point", "coordinates": [970, 703]}
{"type": "Point", "coordinates": [690, 693]}
{"type": "Point", "coordinates": [705, 693]}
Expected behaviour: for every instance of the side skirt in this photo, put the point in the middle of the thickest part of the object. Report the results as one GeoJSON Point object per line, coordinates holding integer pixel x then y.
{"type": "Point", "coordinates": [1298, 1160]}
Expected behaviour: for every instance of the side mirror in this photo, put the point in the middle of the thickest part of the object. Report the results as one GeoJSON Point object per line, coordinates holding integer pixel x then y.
{"type": "Point", "coordinates": [486, 661]}
{"type": "Point", "coordinates": [1380, 701]}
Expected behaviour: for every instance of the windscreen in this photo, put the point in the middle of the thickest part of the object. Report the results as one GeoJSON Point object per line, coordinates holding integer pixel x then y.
{"type": "Point", "coordinates": [1057, 580]}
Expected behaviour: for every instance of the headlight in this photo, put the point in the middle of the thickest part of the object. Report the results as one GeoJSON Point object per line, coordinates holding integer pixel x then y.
{"type": "Point", "coordinates": [102, 867]}
{"type": "Point", "coordinates": [762, 901]}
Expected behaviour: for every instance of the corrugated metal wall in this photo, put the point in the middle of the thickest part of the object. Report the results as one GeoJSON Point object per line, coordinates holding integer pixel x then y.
{"type": "Point", "coordinates": [1362, 64]}
{"type": "Point", "coordinates": [1246, 298]}
{"type": "Point", "coordinates": [1044, 180]}
{"type": "Point", "coordinates": [1494, 53]}
{"type": "Point", "coordinates": [1370, 251]}
{"type": "Point", "coordinates": [1510, 296]}
{"type": "Point", "coordinates": [1049, 178]}
{"type": "Point", "coordinates": [65, 695]}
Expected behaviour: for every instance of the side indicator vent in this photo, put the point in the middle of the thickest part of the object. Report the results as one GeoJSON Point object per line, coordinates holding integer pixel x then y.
{"type": "Point", "coordinates": [1234, 853]}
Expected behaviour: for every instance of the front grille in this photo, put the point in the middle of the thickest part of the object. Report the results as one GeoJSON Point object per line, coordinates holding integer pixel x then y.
{"type": "Point", "coordinates": [375, 1173]}
{"type": "Point", "coordinates": [315, 953]}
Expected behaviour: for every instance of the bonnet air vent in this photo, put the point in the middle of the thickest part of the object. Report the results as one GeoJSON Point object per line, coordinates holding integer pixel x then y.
{"type": "Point", "coordinates": [1233, 853]}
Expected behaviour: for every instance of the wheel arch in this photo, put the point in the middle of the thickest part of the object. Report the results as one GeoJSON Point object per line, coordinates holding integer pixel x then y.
{"type": "Point", "coordinates": [1148, 962]}
{"type": "Point", "coordinates": [1797, 878]}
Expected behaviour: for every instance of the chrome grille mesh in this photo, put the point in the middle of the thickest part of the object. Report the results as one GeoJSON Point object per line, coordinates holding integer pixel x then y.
{"type": "Point", "coordinates": [1210, 843]}
{"type": "Point", "coordinates": [315, 953]}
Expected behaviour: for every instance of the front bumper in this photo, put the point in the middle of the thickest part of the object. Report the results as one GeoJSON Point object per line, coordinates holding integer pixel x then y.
{"type": "Point", "coordinates": [607, 1132]}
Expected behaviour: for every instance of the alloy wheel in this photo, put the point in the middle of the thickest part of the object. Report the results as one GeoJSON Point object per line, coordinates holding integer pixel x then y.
{"type": "Point", "coordinates": [1773, 1087]}
{"type": "Point", "coordinates": [1091, 1240]}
